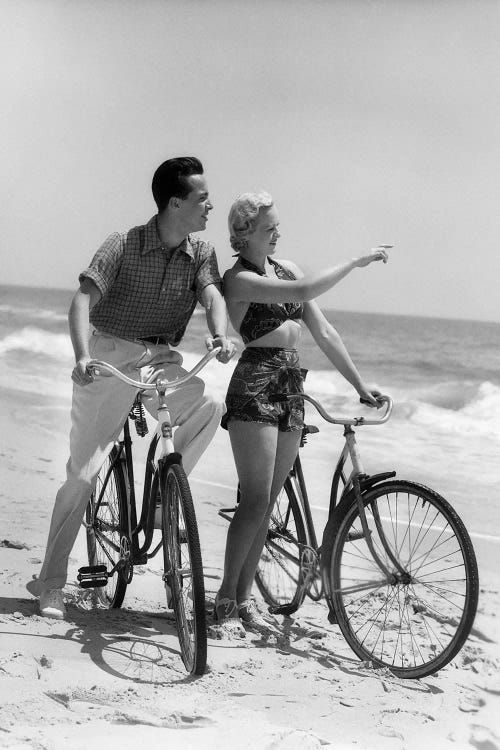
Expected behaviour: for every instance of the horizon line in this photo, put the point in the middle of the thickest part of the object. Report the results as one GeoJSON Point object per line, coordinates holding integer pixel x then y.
{"type": "Point", "coordinates": [72, 290]}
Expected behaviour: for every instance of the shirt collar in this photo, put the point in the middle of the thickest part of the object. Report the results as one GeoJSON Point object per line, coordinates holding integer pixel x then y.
{"type": "Point", "coordinates": [153, 242]}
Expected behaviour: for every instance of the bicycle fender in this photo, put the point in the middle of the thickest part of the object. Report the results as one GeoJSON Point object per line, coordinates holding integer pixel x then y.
{"type": "Point", "coordinates": [172, 458]}
{"type": "Point", "coordinates": [347, 499]}
{"type": "Point", "coordinates": [372, 479]}
{"type": "Point", "coordinates": [367, 483]}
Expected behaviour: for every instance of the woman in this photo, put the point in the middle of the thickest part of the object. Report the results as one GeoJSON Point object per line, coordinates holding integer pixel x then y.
{"type": "Point", "coordinates": [266, 301]}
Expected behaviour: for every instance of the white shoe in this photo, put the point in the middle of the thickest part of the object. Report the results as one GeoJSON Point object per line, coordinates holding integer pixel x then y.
{"type": "Point", "coordinates": [52, 604]}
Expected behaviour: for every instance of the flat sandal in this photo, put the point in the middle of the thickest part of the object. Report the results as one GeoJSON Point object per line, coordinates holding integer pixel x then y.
{"type": "Point", "coordinates": [231, 625]}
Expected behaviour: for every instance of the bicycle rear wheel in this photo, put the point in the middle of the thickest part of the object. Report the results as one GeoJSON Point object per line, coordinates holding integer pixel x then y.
{"type": "Point", "coordinates": [183, 568]}
{"type": "Point", "coordinates": [279, 575]}
{"type": "Point", "coordinates": [417, 621]}
{"type": "Point", "coordinates": [106, 519]}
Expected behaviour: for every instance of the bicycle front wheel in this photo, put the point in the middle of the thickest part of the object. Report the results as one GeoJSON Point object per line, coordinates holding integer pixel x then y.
{"type": "Point", "coordinates": [417, 619]}
{"type": "Point", "coordinates": [183, 568]}
{"type": "Point", "coordinates": [278, 576]}
{"type": "Point", "coordinates": [106, 520]}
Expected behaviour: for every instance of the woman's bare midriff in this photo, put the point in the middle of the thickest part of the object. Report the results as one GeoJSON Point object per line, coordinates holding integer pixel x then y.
{"type": "Point", "coordinates": [287, 336]}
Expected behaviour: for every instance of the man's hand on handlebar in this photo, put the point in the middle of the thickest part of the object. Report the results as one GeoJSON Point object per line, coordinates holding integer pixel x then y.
{"type": "Point", "coordinates": [81, 375]}
{"type": "Point", "coordinates": [226, 345]}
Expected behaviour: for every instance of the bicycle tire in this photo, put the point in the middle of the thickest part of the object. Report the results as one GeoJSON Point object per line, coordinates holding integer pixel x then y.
{"type": "Point", "coordinates": [183, 568]}
{"type": "Point", "coordinates": [278, 575]}
{"type": "Point", "coordinates": [417, 622]}
{"type": "Point", "coordinates": [106, 519]}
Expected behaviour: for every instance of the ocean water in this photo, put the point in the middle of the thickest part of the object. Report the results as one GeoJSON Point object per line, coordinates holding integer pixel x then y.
{"type": "Point", "coordinates": [444, 377]}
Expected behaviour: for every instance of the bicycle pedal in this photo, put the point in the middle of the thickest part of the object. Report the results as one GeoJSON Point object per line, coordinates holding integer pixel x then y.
{"type": "Point", "coordinates": [282, 609]}
{"type": "Point", "coordinates": [92, 576]}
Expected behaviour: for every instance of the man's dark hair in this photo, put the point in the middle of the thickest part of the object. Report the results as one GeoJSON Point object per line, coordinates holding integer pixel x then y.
{"type": "Point", "coordinates": [170, 179]}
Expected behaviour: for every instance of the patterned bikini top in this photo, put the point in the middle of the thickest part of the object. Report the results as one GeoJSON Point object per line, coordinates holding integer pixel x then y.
{"type": "Point", "coordinates": [262, 318]}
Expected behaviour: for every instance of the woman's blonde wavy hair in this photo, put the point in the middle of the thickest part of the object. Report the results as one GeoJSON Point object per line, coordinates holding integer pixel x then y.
{"type": "Point", "coordinates": [243, 216]}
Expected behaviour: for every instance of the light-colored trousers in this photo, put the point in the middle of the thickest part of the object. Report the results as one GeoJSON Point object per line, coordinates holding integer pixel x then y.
{"type": "Point", "coordinates": [98, 413]}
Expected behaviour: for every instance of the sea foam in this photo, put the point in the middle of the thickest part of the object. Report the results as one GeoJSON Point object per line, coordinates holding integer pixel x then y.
{"type": "Point", "coordinates": [35, 313]}
{"type": "Point", "coordinates": [38, 341]}
{"type": "Point", "coordinates": [445, 407]}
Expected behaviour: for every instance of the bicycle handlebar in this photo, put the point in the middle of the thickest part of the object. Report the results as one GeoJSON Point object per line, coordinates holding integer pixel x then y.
{"type": "Point", "coordinates": [160, 383]}
{"type": "Point", "coordinates": [356, 421]}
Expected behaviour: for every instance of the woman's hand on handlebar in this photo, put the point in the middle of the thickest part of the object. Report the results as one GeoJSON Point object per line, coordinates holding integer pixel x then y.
{"type": "Point", "coordinates": [81, 375]}
{"type": "Point", "coordinates": [227, 348]}
{"type": "Point", "coordinates": [371, 397]}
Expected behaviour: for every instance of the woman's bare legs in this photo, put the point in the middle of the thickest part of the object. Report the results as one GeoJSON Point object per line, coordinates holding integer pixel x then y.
{"type": "Point", "coordinates": [263, 458]}
{"type": "Point", "coordinates": [287, 447]}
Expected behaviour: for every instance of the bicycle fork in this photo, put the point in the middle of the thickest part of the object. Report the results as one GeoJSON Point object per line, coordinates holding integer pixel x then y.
{"type": "Point", "coordinates": [357, 474]}
{"type": "Point", "coordinates": [167, 449]}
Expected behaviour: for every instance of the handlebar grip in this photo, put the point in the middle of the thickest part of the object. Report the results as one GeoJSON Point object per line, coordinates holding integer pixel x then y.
{"type": "Point", "coordinates": [379, 399]}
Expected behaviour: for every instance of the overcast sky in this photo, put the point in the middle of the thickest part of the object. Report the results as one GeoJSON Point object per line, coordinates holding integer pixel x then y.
{"type": "Point", "coordinates": [368, 121]}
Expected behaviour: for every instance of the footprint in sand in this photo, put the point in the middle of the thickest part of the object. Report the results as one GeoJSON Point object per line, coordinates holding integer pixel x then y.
{"type": "Point", "coordinates": [483, 738]}
{"type": "Point", "coordinates": [13, 545]}
{"type": "Point", "coordinates": [390, 732]}
{"type": "Point", "coordinates": [471, 703]}
{"type": "Point", "coordinates": [172, 721]}
{"type": "Point", "coordinates": [490, 684]}
{"type": "Point", "coordinates": [296, 739]}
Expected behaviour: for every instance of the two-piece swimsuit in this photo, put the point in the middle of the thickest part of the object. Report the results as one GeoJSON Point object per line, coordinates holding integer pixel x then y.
{"type": "Point", "coordinates": [264, 371]}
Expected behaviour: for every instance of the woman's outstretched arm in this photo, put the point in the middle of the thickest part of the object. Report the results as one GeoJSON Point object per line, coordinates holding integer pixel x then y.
{"type": "Point", "coordinates": [246, 286]}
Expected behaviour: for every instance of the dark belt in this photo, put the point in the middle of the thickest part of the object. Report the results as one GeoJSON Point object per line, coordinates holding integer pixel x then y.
{"type": "Point", "coordinates": [156, 340]}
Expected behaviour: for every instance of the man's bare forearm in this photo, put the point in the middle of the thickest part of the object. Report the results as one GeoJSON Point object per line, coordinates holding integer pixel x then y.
{"type": "Point", "coordinates": [79, 326]}
{"type": "Point", "coordinates": [216, 312]}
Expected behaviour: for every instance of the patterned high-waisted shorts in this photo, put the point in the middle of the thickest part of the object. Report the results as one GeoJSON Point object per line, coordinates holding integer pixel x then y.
{"type": "Point", "coordinates": [261, 372]}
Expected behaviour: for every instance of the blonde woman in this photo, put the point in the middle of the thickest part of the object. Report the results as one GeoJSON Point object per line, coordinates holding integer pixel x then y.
{"type": "Point", "coordinates": [268, 301]}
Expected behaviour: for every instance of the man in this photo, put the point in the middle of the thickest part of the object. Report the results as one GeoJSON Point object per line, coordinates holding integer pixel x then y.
{"type": "Point", "coordinates": [139, 293]}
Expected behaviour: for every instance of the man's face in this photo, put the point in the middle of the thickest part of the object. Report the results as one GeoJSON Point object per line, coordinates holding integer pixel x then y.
{"type": "Point", "coordinates": [194, 209]}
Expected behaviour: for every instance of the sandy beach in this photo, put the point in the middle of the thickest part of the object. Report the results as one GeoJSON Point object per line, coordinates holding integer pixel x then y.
{"type": "Point", "coordinates": [117, 677]}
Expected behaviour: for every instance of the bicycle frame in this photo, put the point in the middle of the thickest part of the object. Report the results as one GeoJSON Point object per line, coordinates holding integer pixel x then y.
{"type": "Point", "coordinates": [354, 485]}
{"type": "Point", "coordinates": [113, 529]}
{"type": "Point", "coordinates": [297, 476]}
{"type": "Point", "coordinates": [163, 435]}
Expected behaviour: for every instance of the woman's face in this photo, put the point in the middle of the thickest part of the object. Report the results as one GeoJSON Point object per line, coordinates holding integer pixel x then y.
{"type": "Point", "coordinates": [265, 236]}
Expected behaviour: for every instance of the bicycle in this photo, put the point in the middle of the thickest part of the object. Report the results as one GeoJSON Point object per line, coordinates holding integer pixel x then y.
{"type": "Point", "coordinates": [396, 565]}
{"type": "Point", "coordinates": [113, 527]}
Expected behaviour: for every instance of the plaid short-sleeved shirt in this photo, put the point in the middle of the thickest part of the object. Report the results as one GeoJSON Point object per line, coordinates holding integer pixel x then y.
{"type": "Point", "coordinates": [148, 290]}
